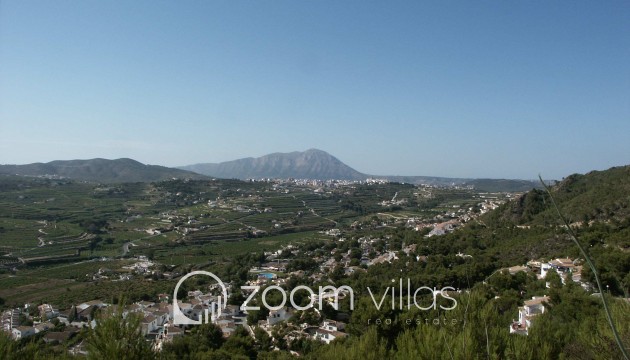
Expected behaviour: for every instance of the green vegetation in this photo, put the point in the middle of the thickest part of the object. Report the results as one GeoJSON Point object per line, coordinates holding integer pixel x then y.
{"type": "Point", "coordinates": [118, 336]}
{"type": "Point", "coordinates": [226, 226]}
{"type": "Point", "coordinates": [594, 272]}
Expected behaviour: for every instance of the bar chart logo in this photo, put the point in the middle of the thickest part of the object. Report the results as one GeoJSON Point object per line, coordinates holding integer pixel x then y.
{"type": "Point", "coordinates": [179, 318]}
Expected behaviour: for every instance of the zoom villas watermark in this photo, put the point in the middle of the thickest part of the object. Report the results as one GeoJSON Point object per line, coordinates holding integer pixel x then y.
{"type": "Point", "coordinates": [395, 292]}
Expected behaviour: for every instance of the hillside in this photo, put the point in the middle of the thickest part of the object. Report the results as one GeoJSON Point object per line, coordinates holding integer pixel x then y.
{"type": "Point", "coordinates": [100, 170]}
{"type": "Point", "coordinates": [597, 204]}
{"type": "Point", "coordinates": [598, 195]}
{"type": "Point", "coordinates": [310, 164]}
{"type": "Point", "coordinates": [50, 228]}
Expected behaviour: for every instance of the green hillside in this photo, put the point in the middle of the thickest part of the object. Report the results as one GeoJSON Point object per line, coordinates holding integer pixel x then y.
{"type": "Point", "coordinates": [596, 196]}
{"type": "Point", "coordinates": [100, 170]}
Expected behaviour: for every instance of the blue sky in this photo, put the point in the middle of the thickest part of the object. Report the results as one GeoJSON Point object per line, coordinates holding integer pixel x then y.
{"type": "Point", "coordinates": [499, 89]}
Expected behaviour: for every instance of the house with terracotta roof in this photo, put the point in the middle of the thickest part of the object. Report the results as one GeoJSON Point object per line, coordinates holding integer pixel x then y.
{"type": "Point", "coordinates": [527, 313]}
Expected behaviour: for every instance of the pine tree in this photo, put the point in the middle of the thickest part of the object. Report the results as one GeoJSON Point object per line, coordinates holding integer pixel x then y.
{"type": "Point", "coordinates": [118, 336]}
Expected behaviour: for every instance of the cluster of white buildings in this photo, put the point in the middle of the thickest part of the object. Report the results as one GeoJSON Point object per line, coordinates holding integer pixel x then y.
{"type": "Point", "coordinates": [142, 266]}
{"type": "Point", "coordinates": [566, 268]}
{"type": "Point", "coordinates": [10, 321]}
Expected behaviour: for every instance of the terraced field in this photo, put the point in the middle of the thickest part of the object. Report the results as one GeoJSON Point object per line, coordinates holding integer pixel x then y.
{"type": "Point", "coordinates": [52, 232]}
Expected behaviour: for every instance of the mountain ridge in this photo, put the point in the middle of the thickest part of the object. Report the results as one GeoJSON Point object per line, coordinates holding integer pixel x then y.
{"type": "Point", "coordinates": [324, 166]}
{"type": "Point", "coordinates": [310, 164]}
{"type": "Point", "coordinates": [100, 170]}
{"type": "Point", "coordinates": [595, 196]}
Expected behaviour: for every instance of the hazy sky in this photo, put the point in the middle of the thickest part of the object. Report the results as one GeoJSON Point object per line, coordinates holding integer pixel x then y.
{"type": "Point", "coordinates": [464, 89]}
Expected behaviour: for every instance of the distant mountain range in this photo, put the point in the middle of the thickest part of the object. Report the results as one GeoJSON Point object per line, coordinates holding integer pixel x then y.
{"type": "Point", "coordinates": [320, 165]}
{"type": "Point", "coordinates": [100, 170]}
{"type": "Point", "coordinates": [309, 164]}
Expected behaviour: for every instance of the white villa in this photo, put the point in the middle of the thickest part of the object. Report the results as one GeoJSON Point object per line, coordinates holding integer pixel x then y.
{"type": "Point", "coordinates": [526, 313]}
{"type": "Point", "coordinates": [329, 331]}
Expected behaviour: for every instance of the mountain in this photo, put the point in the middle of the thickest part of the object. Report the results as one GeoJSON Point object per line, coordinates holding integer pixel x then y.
{"type": "Point", "coordinates": [318, 164]}
{"type": "Point", "coordinates": [310, 164]}
{"type": "Point", "coordinates": [100, 170]}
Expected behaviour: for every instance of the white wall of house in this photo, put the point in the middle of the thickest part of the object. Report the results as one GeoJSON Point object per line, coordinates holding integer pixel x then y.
{"type": "Point", "coordinates": [22, 332]}
{"type": "Point", "coordinates": [277, 316]}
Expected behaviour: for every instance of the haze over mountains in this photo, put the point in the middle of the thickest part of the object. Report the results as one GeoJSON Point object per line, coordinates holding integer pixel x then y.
{"type": "Point", "coordinates": [320, 165]}
{"type": "Point", "coordinates": [310, 164]}
{"type": "Point", "coordinates": [100, 170]}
